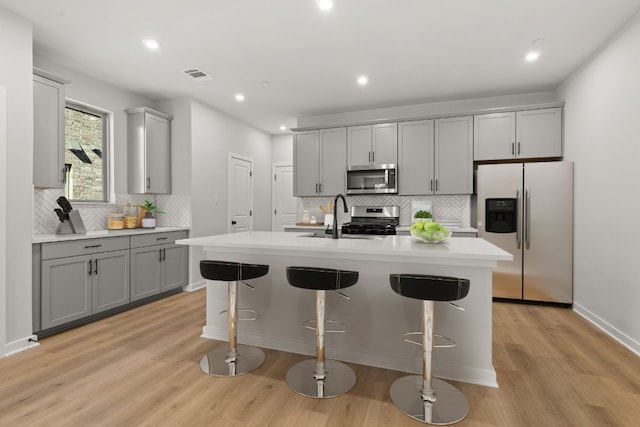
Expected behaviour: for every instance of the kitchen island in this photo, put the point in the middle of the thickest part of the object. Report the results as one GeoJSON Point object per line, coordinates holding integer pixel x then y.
{"type": "Point", "coordinates": [375, 316]}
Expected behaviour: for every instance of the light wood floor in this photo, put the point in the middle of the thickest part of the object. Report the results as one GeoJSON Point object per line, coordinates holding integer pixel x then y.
{"type": "Point", "coordinates": [141, 368]}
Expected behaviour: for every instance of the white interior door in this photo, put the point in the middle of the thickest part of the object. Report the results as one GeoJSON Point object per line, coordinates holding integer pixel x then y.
{"type": "Point", "coordinates": [240, 194]}
{"type": "Point", "coordinates": [285, 206]}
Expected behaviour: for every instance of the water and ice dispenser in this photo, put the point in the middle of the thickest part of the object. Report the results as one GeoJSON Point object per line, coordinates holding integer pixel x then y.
{"type": "Point", "coordinates": [501, 216]}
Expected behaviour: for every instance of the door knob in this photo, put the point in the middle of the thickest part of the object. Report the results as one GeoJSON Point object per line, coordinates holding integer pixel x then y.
{"type": "Point", "coordinates": [233, 222]}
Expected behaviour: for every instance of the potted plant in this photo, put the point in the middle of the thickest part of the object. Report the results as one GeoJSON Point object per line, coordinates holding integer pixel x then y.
{"type": "Point", "coordinates": [423, 216]}
{"type": "Point", "coordinates": [150, 209]}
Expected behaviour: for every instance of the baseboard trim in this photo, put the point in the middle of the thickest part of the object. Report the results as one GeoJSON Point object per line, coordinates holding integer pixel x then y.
{"type": "Point", "coordinates": [608, 328]}
{"type": "Point", "coordinates": [22, 344]}
{"type": "Point", "coordinates": [485, 377]}
{"type": "Point", "coordinates": [191, 287]}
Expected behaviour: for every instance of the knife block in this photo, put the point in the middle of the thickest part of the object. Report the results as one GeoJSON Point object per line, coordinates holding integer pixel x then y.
{"type": "Point", "coordinates": [74, 225]}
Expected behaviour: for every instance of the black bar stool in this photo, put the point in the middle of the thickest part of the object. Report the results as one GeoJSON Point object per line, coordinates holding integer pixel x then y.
{"type": "Point", "coordinates": [425, 398]}
{"type": "Point", "coordinates": [238, 359]}
{"type": "Point", "coordinates": [318, 377]}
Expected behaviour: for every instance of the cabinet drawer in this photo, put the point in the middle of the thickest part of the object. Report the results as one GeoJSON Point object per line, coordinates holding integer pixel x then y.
{"type": "Point", "coordinates": [83, 247]}
{"type": "Point", "coordinates": [157, 238]}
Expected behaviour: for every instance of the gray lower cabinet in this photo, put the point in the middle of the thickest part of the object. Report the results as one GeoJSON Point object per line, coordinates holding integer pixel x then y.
{"type": "Point", "coordinates": [157, 264]}
{"type": "Point", "coordinates": [79, 285]}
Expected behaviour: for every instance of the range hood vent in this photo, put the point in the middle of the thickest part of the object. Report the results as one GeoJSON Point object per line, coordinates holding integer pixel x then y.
{"type": "Point", "coordinates": [198, 74]}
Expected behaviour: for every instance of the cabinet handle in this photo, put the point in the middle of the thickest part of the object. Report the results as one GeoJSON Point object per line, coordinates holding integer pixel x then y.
{"type": "Point", "coordinates": [518, 148]}
{"type": "Point", "coordinates": [320, 187]}
{"type": "Point", "coordinates": [96, 269]}
{"type": "Point", "coordinates": [430, 185]}
{"type": "Point", "coordinates": [436, 185]}
{"type": "Point", "coordinates": [159, 254]}
{"type": "Point", "coordinates": [63, 172]}
{"type": "Point", "coordinates": [148, 182]}
{"type": "Point", "coordinates": [92, 246]}
{"type": "Point", "coordinates": [373, 157]}
{"type": "Point", "coordinates": [164, 254]}
{"type": "Point", "coordinates": [161, 238]}
{"type": "Point", "coordinates": [513, 149]}
{"type": "Point", "coordinates": [89, 267]}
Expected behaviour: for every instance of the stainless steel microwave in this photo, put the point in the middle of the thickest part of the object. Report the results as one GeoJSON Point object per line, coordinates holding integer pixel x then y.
{"type": "Point", "coordinates": [372, 179]}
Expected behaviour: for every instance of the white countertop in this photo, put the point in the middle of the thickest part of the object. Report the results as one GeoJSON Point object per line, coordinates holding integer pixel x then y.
{"type": "Point", "coordinates": [47, 238]}
{"type": "Point", "coordinates": [455, 229]}
{"type": "Point", "coordinates": [456, 250]}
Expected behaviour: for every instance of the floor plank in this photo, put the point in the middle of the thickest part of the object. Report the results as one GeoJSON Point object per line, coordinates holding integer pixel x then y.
{"type": "Point", "coordinates": [141, 367]}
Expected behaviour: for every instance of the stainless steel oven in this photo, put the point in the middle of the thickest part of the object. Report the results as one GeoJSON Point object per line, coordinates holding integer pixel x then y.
{"type": "Point", "coordinates": [372, 179]}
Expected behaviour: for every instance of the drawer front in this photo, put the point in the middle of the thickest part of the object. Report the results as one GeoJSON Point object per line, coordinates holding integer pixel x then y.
{"type": "Point", "coordinates": [157, 238]}
{"type": "Point", "coordinates": [83, 247]}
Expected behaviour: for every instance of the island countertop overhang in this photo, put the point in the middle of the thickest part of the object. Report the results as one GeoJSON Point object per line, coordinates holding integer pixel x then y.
{"type": "Point", "coordinates": [456, 251]}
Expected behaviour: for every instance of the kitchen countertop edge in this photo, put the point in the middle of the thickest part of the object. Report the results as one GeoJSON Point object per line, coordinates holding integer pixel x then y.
{"type": "Point", "coordinates": [97, 234]}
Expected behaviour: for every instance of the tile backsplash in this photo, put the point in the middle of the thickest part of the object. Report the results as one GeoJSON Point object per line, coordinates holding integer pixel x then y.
{"type": "Point", "coordinates": [444, 207]}
{"type": "Point", "coordinates": [94, 215]}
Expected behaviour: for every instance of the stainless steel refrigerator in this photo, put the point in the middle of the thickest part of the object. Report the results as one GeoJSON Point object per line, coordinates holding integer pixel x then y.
{"type": "Point", "coordinates": [527, 210]}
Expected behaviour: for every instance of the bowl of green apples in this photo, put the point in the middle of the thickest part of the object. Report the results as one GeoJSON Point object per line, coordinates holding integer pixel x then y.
{"type": "Point", "coordinates": [429, 231]}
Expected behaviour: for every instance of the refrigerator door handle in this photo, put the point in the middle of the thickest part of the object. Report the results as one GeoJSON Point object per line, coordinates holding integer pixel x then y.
{"type": "Point", "coordinates": [527, 221]}
{"type": "Point", "coordinates": [519, 223]}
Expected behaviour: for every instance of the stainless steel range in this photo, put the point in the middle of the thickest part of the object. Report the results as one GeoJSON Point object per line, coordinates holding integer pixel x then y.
{"type": "Point", "coordinates": [377, 220]}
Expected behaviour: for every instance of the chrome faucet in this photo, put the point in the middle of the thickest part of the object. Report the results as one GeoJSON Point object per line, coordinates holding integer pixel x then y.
{"type": "Point", "coordinates": [335, 214]}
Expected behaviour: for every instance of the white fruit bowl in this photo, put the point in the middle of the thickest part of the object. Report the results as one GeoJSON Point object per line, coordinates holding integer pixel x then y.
{"type": "Point", "coordinates": [431, 236]}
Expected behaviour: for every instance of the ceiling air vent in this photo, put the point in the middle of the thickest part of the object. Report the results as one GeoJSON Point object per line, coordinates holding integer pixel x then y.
{"type": "Point", "coordinates": [198, 74]}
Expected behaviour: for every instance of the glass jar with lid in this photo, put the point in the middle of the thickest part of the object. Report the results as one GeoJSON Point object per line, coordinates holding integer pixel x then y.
{"type": "Point", "coordinates": [115, 221]}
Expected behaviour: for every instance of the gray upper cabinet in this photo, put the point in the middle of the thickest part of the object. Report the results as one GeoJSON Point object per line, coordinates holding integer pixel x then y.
{"type": "Point", "coordinates": [149, 151]}
{"type": "Point", "coordinates": [372, 144]}
{"type": "Point", "coordinates": [518, 135]}
{"type": "Point", "coordinates": [48, 131]}
{"type": "Point", "coordinates": [453, 167]}
{"type": "Point", "coordinates": [435, 156]}
{"type": "Point", "coordinates": [415, 157]}
{"type": "Point", "coordinates": [319, 162]}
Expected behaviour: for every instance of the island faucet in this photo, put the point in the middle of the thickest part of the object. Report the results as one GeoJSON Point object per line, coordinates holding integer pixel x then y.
{"type": "Point", "coordinates": [335, 214]}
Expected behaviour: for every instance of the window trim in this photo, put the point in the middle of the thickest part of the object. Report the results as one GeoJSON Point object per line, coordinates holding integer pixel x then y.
{"type": "Point", "coordinates": [107, 152]}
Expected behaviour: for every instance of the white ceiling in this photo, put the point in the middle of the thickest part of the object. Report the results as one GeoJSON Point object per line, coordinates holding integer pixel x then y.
{"type": "Point", "coordinates": [413, 51]}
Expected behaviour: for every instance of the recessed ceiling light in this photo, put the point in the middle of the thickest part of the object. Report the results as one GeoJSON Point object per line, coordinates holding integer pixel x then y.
{"type": "Point", "coordinates": [325, 4]}
{"type": "Point", "coordinates": [283, 128]}
{"type": "Point", "coordinates": [532, 56]}
{"type": "Point", "coordinates": [239, 97]}
{"type": "Point", "coordinates": [151, 44]}
{"type": "Point", "coordinates": [363, 80]}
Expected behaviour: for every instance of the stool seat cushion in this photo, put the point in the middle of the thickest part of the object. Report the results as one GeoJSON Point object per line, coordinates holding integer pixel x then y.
{"type": "Point", "coordinates": [321, 279]}
{"type": "Point", "coordinates": [429, 288]}
{"type": "Point", "coordinates": [231, 271]}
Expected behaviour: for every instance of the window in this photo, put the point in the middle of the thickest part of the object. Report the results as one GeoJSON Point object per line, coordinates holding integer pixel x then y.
{"type": "Point", "coordinates": [85, 154]}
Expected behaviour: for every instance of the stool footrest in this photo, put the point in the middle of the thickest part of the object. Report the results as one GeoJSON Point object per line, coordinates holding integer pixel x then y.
{"type": "Point", "coordinates": [445, 343]}
{"type": "Point", "coordinates": [310, 324]}
{"type": "Point", "coordinates": [256, 315]}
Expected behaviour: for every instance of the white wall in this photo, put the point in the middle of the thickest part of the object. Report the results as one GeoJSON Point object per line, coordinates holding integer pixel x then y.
{"type": "Point", "coordinates": [209, 138]}
{"type": "Point", "coordinates": [15, 76]}
{"type": "Point", "coordinates": [282, 148]}
{"type": "Point", "coordinates": [601, 137]}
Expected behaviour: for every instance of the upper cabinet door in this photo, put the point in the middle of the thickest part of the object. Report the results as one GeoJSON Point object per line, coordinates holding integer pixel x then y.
{"type": "Point", "coordinates": [305, 163]}
{"type": "Point", "coordinates": [333, 160]}
{"type": "Point", "coordinates": [415, 157]}
{"type": "Point", "coordinates": [48, 133]}
{"type": "Point", "coordinates": [149, 151]}
{"type": "Point", "coordinates": [158, 154]}
{"type": "Point", "coordinates": [384, 145]}
{"type": "Point", "coordinates": [359, 145]}
{"type": "Point", "coordinates": [539, 133]}
{"type": "Point", "coordinates": [454, 155]}
{"type": "Point", "coordinates": [494, 136]}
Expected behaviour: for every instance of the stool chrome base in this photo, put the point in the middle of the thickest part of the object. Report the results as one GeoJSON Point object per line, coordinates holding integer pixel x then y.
{"type": "Point", "coordinates": [450, 406]}
{"type": "Point", "coordinates": [215, 362]}
{"type": "Point", "coordinates": [339, 379]}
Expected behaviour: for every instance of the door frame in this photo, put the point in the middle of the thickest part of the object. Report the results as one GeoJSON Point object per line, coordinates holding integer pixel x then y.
{"type": "Point", "coordinates": [273, 190]}
{"type": "Point", "coordinates": [229, 213]}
